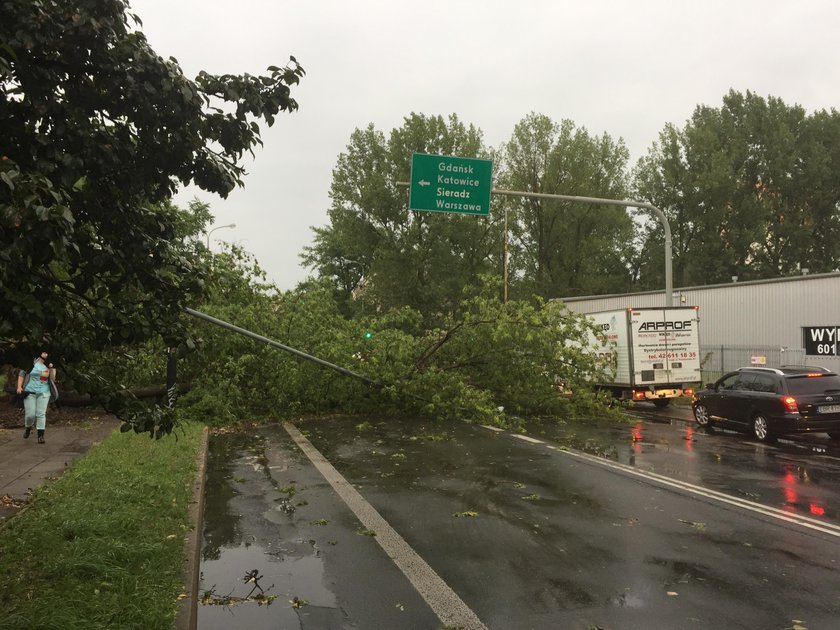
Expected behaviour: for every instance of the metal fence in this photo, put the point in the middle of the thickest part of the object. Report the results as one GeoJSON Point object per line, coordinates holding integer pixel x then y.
{"type": "Point", "coordinates": [717, 360]}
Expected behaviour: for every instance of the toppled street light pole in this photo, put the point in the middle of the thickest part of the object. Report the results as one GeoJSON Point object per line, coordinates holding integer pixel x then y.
{"type": "Point", "coordinates": [276, 344]}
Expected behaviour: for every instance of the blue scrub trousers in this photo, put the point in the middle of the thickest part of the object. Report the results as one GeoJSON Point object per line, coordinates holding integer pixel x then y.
{"type": "Point", "coordinates": [35, 410]}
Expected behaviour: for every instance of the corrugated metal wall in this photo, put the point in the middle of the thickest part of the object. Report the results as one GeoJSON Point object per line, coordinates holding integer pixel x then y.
{"type": "Point", "coordinates": [740, 319]}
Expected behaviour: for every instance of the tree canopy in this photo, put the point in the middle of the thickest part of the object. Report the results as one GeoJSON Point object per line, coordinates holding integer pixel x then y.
{"type": "Point", "coordinates": [375, 249]}
{"type": "Point", "coordinates": [751, 189]}
{"type": "Point", "coordinates": [378, 252]}
{"type": "Point", "coordinates": [491, 362]}
{"type": "Point", "coordinates": [561, 248]}
{"type": "Point", "coordinates": [98, 131]}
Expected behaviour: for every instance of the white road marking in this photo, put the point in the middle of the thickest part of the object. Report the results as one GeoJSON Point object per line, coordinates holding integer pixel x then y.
{"type": "Point", "coordinates": [446, 604]}
{"type": "Point", "coordinates": [796, 519]}
{"type": "Point", "coordinates": [527, 438]}
{"type": "Point", "coordinates": [804, 521]}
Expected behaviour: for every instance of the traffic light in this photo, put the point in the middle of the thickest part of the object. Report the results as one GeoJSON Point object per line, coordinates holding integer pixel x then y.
{"type": "Point", "coordinates": [368, 335]}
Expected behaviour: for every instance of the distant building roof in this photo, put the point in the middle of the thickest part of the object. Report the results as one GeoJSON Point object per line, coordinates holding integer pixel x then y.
{"type": "Point", "coordinates": [703, 287]}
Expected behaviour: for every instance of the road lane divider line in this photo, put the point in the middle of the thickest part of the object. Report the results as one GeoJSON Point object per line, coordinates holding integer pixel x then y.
{"type": "Point", "coordinates": [446, 604]}
{"type": "Point", "coordinates": [766, 510]}
{"type": "Point", "coordinates": [802, 520]}
{"type": "Point", "coordinates": [527, 438]}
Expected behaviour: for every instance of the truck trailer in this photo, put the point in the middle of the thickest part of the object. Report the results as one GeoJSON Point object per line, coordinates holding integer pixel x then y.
{"type": "Point", "coordinates": [654, 352]}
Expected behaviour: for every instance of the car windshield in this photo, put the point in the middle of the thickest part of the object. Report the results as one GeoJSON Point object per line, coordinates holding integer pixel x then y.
{"type": "Point", "coordinates": [813, 384]}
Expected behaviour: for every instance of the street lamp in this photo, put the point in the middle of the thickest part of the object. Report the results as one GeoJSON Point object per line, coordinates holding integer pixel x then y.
{"type": "Point", "coordinates": [229, 225]}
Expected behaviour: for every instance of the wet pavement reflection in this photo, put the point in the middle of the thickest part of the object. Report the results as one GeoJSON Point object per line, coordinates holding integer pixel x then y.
{"type": "Point", "coordinates": [269, 515]}
{"type": "Point", "coordinates": [522, 533]}
{"type": "Point", "coordinates": [800, 474]}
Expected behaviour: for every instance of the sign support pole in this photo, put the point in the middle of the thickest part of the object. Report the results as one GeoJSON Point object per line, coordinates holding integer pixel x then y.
{"type": "Point", "coordinates": [669, 281]}
{"type": "Point", "coordinates": [505, 262]}
{"type": "Point", "coordinates": [659, 214]}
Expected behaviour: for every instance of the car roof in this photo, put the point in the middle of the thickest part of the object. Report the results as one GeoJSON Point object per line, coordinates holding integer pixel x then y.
{"type": "Point", "coordinates": [789, 370]}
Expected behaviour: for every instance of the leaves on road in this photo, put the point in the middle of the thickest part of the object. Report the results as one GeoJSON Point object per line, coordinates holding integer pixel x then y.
{"type": "Point", "coordinates": [694, 524]}
{"type": "Point", "coordinates": [10, 501]}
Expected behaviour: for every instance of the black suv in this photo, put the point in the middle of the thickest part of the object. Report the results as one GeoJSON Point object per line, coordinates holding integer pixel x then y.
{"type": "Point", "coordinates": [772, 401]}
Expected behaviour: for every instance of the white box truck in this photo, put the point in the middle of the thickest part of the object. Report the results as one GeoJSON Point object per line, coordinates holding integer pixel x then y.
{"type": "Point", "coordinates": [655, 352]}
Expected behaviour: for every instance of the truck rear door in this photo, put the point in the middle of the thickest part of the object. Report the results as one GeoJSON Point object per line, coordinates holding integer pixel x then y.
{"type": "Point", "coordinates": [666, 347]}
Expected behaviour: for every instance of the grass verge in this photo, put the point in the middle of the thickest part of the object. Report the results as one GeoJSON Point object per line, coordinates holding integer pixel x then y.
{"type": "Point", "coordinates": [103, 545]}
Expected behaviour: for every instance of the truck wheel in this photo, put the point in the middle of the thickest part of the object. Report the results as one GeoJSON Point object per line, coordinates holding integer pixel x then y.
{"type": "Point", "coordinates": [661, 403]}
{"type": "Point", "coordinates": [760, 429]}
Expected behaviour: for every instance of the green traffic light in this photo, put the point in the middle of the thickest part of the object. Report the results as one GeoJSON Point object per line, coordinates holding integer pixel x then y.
{"type": "Point", "coordinates": [368, 334]}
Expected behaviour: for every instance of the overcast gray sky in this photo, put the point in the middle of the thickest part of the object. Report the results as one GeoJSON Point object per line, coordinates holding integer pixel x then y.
{"type": "Point", "coordinates": [625, 68]}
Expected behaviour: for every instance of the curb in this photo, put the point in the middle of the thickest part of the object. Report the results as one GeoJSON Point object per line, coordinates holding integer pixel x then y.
{"type": "Point", "coordinates": [186, 615]}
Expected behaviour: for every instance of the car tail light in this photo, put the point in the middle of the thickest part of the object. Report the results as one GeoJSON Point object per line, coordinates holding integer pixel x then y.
{"type": "Point", "coordinates": [688, 392]}
{"type": "Point", "coordinates": [638, 395]}
{"type": "Point", "coordinates": [810, 374]}
{"type": "Point", "coordinates": [790, 404]}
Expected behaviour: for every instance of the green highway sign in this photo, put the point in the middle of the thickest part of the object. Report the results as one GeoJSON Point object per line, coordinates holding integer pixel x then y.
{"type": "Point", "coordinates": [441, 183]}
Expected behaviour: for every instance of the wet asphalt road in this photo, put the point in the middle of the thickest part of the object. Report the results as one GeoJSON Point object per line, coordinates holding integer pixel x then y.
{"type": "Point", "coordinates": [526, 535]}
{"type": "Point", "coordinates": [799, 474]}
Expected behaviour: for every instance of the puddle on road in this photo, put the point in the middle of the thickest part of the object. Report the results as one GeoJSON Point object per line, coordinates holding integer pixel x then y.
{"type": "Point", "coordinates": [246, 529]}
{"type": "Point", "coordinates": [626, 600]}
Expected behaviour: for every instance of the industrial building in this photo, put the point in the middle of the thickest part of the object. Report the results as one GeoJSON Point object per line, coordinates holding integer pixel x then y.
{"type": "Point", "coordinates": [785, 321]}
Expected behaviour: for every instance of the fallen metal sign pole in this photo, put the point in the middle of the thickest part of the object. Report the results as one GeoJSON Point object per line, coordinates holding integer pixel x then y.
{"type": "Point", "coordinates": [277, 344]}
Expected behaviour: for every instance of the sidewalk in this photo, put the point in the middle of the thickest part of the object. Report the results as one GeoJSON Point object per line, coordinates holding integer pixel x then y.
{"type": "Point", "coordinates": [25, 464]}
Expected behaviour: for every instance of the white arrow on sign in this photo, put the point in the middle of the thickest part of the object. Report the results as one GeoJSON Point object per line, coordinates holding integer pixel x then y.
{"type": "Point", "coordinates": [423, 182]}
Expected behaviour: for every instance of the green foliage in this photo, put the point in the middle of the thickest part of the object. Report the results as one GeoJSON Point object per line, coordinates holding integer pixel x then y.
{"type": "Point", "coordinates": [381, 256]}
{"type": "Point", "coordinates": [560, 248]}
{"type": "Point", "coordinates": [751, 189]}
{"type": "Point", "coordinates": [98, 133]}
{"type": "Point", "coordinates": [375, 250]}
{"type": "Point", "coordinates": [496, 362]}
{"type": "Point", "coordinates": [491, 363]}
